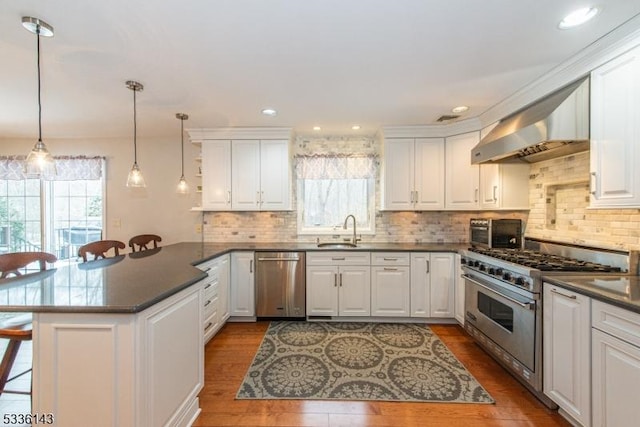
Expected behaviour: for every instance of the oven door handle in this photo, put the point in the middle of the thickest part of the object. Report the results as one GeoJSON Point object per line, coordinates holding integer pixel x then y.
{"type": "Point", "coordinates": [527, 305]}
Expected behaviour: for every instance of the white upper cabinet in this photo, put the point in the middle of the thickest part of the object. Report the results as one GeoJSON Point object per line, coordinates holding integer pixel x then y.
{"type": "Point", "coordinates": [462, 184]}
{"type": "Point", "coordinates": [413, 174]}
{"type": "Point", "coordinates": [216, 175]}
{"type": "Point", "coordinates": [245, 169]}
{"type": "Point", "coordinates": [260, 175]}
{"type": "Point", "coordinates": [615, 132]}
{"type": "Point", "coordinates": [504, 186]}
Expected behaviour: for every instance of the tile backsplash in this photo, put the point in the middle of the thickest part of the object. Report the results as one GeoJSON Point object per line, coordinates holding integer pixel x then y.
{"type": "Point", "coordinates": [559, 200]}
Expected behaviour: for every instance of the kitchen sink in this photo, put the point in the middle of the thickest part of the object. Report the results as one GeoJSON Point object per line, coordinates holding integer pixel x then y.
{"type": "Point", "coordinates": [333, 245]}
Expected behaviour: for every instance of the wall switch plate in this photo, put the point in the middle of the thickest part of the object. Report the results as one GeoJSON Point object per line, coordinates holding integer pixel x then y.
{"type": "Point", "coordinates": [117, 223]}
{"type": "Point", "coordinates": [198, 228]}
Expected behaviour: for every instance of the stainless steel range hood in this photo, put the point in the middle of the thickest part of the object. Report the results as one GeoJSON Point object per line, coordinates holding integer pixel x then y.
{"type": "Point", "coordinates": [555, 126]}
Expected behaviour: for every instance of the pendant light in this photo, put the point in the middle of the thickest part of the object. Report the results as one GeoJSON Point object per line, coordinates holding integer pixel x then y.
{"type": "Point", "coordinates": [39, 163]}
{"type": "Point", "coordinates": [183, 187]}
{"type": "Point", "coordinates": [135, 178]}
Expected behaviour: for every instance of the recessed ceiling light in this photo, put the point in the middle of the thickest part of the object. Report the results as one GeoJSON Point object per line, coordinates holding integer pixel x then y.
{"type": "Point", "coordinates": [355, 127]}
{"type": "Point", "coordinates": [317, 128]}
{"type": "Point", "coordinates": [460, 109]}
{"type": "Point", "coordinates": [269, 112]}
{"type": "Point", "coordinates": [578, 17]}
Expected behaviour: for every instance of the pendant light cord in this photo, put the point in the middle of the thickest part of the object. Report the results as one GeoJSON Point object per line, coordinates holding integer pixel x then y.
{"type": "Point", "coordinates": [182, 145]}
{"type": "Point", "coordinates": [39, 99]}
{"type": "Point", "coordinates": [135, 130]}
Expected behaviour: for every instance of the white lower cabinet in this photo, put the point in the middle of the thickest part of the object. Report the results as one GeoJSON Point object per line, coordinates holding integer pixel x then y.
{"type": "Point", "coordinates": [242, 288]}
{"type": "Point", "coordinates": [336, 287]}
{"type": "Point", "coordinates": [149, 365]}
{"type": "Point", "coordinates": [459, 293]}
{"type": "Point", "coordinates": [566, 351]}
{"type": "Point", "coordinates": [390, 284]}
{"type": "Point", "coordinates": [216, 295]}
{"type": "Point", "coordinates": [616, 366]}
{"type": "Point", "coordinates": [432, 284]}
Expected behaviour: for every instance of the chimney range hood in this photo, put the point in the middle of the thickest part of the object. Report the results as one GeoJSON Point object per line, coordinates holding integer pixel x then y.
{"type": "Point", "coordinates": [555, 126]}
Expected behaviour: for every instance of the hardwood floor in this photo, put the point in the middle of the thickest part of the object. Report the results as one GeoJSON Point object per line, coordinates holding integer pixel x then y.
{"type": "Point", "coordinates": [229, 354]}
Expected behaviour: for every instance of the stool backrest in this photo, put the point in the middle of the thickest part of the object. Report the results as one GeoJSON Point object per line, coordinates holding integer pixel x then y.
{"type": "Point", "coordinates": [99, 249]}
{"type": "Point", "coordinates": [143, 241]}
{"type": "Point", "coordinates": [11, 263]}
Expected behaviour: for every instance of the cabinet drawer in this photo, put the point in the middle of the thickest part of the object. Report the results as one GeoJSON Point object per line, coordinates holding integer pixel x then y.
{"type": "Point", "coordinates": [338, 258]}
{"type": "Point", "coordinates": [210, 306]}
{"type": "Point", "coordinates": [616, 321]}
{"type": "Point", "coordinates": [390, 258]}
{"type": "Point", "coordinates": [210, 288]}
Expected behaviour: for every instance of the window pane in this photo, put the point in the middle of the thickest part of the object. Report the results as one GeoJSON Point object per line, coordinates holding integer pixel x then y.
{"type": "Point", "coordinates": [32, 187]}
{"type": "Point", "coordinates": [19, 216]}
{"type": "Point", "coordinates": [16, 188]}
{"type": "Point", "coordinates": [77, 188]}
{"type": "Point", "coordinates": [61, 188]}
{"type": "Point", "coordinates": [32, 208]}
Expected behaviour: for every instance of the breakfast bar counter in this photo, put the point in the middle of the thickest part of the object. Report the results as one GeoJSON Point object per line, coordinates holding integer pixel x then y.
{"type": "Point", "coordinates": [119, 341]}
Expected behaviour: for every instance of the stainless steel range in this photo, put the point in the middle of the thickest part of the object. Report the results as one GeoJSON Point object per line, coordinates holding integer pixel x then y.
{"type": "Point", "coordinates": [503, 301]}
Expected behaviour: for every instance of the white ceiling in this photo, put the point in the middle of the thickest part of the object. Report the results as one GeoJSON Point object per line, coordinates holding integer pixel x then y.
{"type": "Point", "coordinates": [331, 63]}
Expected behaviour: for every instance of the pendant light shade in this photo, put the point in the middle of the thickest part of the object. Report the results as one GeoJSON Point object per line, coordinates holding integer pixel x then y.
{"type": "Point", "coordinates": [183, 187]}
{"type": "Point", "coordinates": [39, 163]}
{"type": "Point", "coordinates": [135, 178]}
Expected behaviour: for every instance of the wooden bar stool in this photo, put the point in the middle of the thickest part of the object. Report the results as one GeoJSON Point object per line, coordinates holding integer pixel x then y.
{"type": "Point", "coordinates": [18, 328]}
{"type": "Point", "coordinates": [99, 249]}
{"type": "Point", "coordinates": [142, 240]}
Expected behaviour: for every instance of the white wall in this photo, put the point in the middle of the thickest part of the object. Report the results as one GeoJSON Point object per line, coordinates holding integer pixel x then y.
{"type": "Point", "coordinates": [156, 209]}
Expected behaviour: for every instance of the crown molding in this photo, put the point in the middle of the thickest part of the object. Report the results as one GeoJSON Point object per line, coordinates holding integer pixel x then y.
{"type": "Point", "coordinates": [430, 131]}
{"type": "Point", "coordinates": [240, 133]}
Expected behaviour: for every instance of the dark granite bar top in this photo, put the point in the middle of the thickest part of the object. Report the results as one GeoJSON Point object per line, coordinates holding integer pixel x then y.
{"type": "Point", "coordinates": [622, 291]}
{"type": "Point", "coordinates": [133, 282]}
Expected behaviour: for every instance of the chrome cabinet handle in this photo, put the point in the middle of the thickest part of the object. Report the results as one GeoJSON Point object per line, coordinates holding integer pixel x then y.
{"type": "Point", "coordinates": [340, 279]}
{"type": "Point", "coordinates": [593, 183]}
{"type": "Point", "coordinates": [208, 286]}
{"type": "Point", "coordinates": [553, 290]}
{"type": "Point", "coordinates": [250, 266]}
{"type": "Point", "coordinates": [210, 324]}
{"type": "Point", "coordinates": [261, 197]}
{"type": "Point", "coordinates": [228, 196]}
{"type": "Point", "coordinates": [495, 188]}
{"type": "Point", "coordinates": [417, 199]}
{"type": "Point", "coordinates": [475, 195]}
{"type": "Point", "coordinates": [207, 303]}
{"type": "Point", "coordinates": [257, 197]}
{"type": "Point", "coordinates": [335, 280]}
{"type": "Point", "coordinates": [390, 259]}
{"type": "Point", "coordinates": [390, 269]}
{"type": "Point", "coordinates": [428, 266]}
{"type": "Point", "coordinates": [337, 258]}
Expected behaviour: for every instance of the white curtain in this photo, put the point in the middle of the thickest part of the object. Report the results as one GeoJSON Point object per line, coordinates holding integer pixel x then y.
{"type": "Point", "coordinates": [70, 168]}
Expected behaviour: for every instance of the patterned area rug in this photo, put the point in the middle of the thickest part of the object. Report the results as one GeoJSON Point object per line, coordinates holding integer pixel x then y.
{"type": "Point", "coordinates": [358, 361]}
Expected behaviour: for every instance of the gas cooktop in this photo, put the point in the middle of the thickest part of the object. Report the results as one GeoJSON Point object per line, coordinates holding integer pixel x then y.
{"type": "Point", "coordinates": [545, 261]}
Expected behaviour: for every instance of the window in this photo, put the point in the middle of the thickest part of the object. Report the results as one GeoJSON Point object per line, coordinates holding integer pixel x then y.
{"type": "Point", "coordinates": [54, 216]}
{"type": "Point", "coordinates": [330, 187]}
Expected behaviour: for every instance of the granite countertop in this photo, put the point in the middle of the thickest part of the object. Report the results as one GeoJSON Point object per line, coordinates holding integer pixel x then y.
{"type": "Point", "coordinates": [619, 290]}
{"type": "Point", "coordinates": [133, 282]}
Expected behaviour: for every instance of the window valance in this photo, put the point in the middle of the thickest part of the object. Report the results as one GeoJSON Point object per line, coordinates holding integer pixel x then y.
{"type": "Point", "coordinates": [69, 168]}
{"type": "Point", "coordinates": [336, 166]}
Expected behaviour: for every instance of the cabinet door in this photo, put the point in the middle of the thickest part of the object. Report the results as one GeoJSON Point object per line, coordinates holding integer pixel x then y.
{"type": "Point", "coordinates": [398, 176]}
{"type": "Point", "coordinates": [489, 184]}
{"type": "Point", "coordinates": [420, 284]}
{"type": "Point", "coordinates": [429, 174]}
{"type": "Point", "coordinates": [566, 344]}
{"type": "Point", "coordinates": [242, 285]}
{"type": "Point", "coordinates": [616, 375]}
{"type": "Point", "coordinates": [441, 293]}
{"type": "Point", "coordinates": [459, 293]}
{"type": "Point", "coordinates": [322, 290]}
{"type": "Point", "coordinates": [462, 178]}
{"type": "Point", "coordinates": [245, 175]}
{"type": "Point", "coordinates": [223, 288]}
{"type": "Point", "coordinates": [615, 132]}
{"type": "Point", "coordinates": [390, 291]}
{"type": "Point", "coordinates": [216, 175]}
{"type": "Point", "coordinates": [274, 175]}
{"type": "Point", "coordinates": [354, 291]}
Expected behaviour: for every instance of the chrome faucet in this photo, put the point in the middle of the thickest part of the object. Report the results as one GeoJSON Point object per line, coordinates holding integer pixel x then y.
{"type": "Point", "coordinates": [355, 239]}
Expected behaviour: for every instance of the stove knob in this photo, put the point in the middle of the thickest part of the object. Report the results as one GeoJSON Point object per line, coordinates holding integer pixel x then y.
{"type": "Point", "coordinates": [492, 271]}
{"type": "Point", "coordinates": [506, 276]}
{"type": "Point", "coordinates": [499, 272]}
{"type": "Point", "coordinates": [520, 281]}
{"type": "Point", "coordinates": [476, 263]}
{"type": "Point", "coordinates": [463, 261]}
{"type": "Point", "coordinates": [482, 267]}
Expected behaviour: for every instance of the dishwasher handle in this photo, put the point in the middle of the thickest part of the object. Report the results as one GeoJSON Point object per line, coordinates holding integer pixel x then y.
{"type": "Point", "coordinates": [279, 259]}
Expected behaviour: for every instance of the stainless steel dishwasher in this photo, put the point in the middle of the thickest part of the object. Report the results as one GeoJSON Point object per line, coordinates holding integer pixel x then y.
{"type": "Point", "coordinates": [280, 284]}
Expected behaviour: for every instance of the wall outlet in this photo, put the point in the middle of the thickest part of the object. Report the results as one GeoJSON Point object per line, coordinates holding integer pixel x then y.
{"type": "Point", "coordinates": [198, 228]}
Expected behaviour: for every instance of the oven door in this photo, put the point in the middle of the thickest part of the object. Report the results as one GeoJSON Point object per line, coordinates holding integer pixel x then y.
{"type": "Point", "coordinates": [507, 318]}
